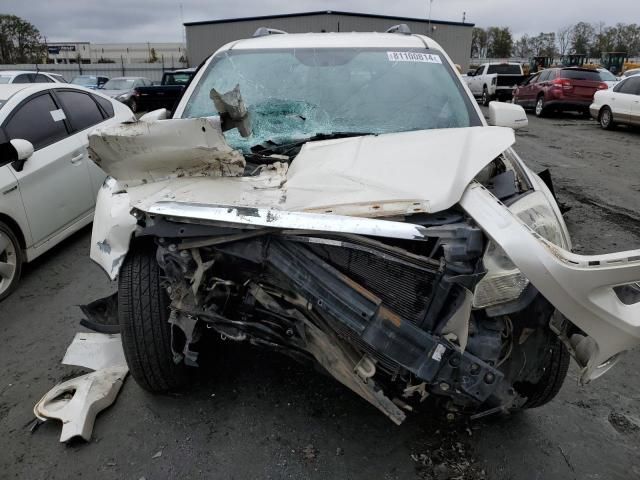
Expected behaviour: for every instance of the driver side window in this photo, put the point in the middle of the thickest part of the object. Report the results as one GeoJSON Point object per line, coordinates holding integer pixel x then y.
{"type": "Point", "coordinates": [479, 71]}
{"type": "Point", "coordinates": [35, 121]}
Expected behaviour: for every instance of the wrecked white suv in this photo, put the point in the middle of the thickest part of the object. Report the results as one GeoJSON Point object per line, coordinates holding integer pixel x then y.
{"type": "Point", "coordinates": [340, 198]}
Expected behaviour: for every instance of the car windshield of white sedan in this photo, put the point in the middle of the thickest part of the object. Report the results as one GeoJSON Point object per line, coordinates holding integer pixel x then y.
{"type": "Point", "coordinates": [5, 79]}
{"type": "Point", "coordinates": [119, 84]}
{"type": "Point", "coordinates": [293, 94]}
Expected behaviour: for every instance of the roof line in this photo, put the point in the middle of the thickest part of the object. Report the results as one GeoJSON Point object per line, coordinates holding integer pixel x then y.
{"type": "Point", "coordinates": [326, 12]}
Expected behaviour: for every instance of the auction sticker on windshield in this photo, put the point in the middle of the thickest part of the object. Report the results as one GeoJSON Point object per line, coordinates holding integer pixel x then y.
{"type": "Point", "coordinates": [413, 57]}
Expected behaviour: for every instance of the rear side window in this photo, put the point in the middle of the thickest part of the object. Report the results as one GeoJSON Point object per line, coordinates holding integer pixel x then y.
{"type": "Point", "coordinates": [81, 109]}
{"type": "Point", "coordinates": [591, 75]}
{"type": "Point", "coordinates": [38, 120]}
{"type": "Point", "coordinates": [544, 76]}
{"type": "Point", "coordinates": [23, 78]}
{"type": "Point", "coordinates": [505, 69]}
{"type": "Point", "coordinates": [106, 105]}
{"type": "Point", "coordinates": [630, 86]}
{"type": "Point", "coordinates": [42, 79]}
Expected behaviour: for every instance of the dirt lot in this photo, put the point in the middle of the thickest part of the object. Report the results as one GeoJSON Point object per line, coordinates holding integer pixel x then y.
{"type": "Point", "coordinates": [257, 415]}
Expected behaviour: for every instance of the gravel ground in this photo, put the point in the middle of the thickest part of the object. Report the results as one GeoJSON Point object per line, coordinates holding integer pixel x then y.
{"type": "Point", "coordinates": [253, 414]}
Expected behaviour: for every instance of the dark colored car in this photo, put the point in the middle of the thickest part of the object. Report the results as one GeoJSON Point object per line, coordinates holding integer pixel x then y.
{"type": "Point", "coordinates": [560, 89]}
{"type": "Point", "coordinates": [165, 95]}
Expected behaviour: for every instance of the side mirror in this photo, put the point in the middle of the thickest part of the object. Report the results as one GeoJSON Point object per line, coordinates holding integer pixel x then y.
{"type": "Point", "coordinates": [507, 115]}
{"type": "Point", "coordinates": [22, 151]}
{"type": "Point", "coordinates": [471, 73]}
{"type": "Point", "coordinates": [154, 115]}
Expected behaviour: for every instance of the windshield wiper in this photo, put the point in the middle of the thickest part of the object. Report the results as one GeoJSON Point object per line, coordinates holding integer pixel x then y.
{"type": "Point", "coordinates": [286, 148]}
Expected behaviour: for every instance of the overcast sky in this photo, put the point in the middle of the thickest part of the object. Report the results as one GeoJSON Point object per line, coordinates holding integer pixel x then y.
{"type": "Point", "coordinates": [104, 21]}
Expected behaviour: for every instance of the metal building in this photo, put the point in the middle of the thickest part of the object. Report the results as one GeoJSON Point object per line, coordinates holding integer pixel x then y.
{"type": "Point", "coordinates": [204, 38]}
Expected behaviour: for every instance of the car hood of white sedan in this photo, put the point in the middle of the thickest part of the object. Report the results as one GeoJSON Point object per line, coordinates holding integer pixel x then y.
{"type": "Point", "coordinates": [370, 176]}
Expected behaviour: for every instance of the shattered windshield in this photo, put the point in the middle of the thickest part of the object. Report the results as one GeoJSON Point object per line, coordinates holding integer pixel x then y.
{"type": "Point", "coordinates": [299, 93]}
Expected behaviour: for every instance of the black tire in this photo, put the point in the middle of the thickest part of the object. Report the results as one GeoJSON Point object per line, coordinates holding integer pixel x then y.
{"type": "Point", "coordinates": [539, 107]}
{"type": "Point", "coordinates": [133, 105]}
{"type": "Point", "coordinates": [549, 385]}
{"type": "Point", "coordinates": [10, 261]}
{"type": "Point", "coordinates": [606, 119]}
{"type": "Point", "coordinates": [146, 333]}
{"type": "Point", "coordinates": [486, 98]}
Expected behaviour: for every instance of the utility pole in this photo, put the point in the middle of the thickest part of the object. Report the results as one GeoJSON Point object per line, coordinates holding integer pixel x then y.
{"type": "Point", "coordinates": [430, 4]}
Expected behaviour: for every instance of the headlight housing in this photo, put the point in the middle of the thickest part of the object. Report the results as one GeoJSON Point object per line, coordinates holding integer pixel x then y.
{"type": "Point", "coordinates": [504, 282]}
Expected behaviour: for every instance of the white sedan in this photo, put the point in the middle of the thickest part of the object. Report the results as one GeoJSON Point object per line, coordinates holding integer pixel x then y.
{"type": "Point", "coordinates": [25, 76]}
{"type": "Point", "coordinates": [48, 185]}
{"type": "Point", "coordinates": [620, 105]}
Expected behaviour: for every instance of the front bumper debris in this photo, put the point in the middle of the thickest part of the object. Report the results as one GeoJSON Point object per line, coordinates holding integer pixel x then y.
{"type": "Point", "coordinates": [579, 286]}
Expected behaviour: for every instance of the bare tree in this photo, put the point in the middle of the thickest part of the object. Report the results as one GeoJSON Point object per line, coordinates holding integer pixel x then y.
{"type": "Point", "coordinates": [564, 39]}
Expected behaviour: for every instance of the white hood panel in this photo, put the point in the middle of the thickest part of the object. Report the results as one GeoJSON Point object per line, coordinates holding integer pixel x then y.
{"type": "Point", "coordinates": [426, 170]}
{"type": "Point", "coordinates": [371, 176]}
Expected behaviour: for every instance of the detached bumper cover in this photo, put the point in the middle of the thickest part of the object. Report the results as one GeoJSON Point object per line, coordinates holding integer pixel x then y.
{"type": "Point", "coordinates": [579, 286]}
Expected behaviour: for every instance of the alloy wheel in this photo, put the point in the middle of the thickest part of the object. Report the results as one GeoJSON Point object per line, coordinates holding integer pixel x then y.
{"type": "Point", "coordinates": [605, 118]}
{"type": "Point", "coordinates": [539, 106]}
{"type": "Point", "coordinates": [8, 259]}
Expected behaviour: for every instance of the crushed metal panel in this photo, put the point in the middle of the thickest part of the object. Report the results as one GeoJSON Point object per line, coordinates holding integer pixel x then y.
{"type": "Point", "coordinates": [76, 402]}
{"type": "Point", "coordinates": [579, 286]}
{"type": "Point", "coordinates": [141, 152]}
{"type": "Point", "coordinates": [259, 190]}
{"type": "Point", "coordinates": [399, 173]}
{"type": "Point", "coordinates": [113, 226]}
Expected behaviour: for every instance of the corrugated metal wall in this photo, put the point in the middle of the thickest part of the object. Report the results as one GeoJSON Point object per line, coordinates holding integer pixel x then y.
{"type": "Point", "coordinates": [204, 39]}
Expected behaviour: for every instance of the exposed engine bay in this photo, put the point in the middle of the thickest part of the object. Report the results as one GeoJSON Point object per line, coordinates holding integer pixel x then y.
{"type": "Point", "coordinates": [390, 319]}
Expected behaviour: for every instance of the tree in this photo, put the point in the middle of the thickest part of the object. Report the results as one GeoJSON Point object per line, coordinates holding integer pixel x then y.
{"type": "Point", "coordinates": [153, 56]}
{"type": "Point", "coordinates": [20, 41]}
{"type": "Point", "coordinates": [522, 47]}
{"type": "Point", "coordinates": [500, 42]}
{"type": "Point", "coordinates": [564, 39]}
{"type": "Point", "coordinates": [478, 43]}
{"type": "Point", "coordinates": [582, 36]}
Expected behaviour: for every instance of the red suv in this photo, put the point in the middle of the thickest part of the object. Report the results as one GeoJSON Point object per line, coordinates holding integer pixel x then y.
{"type": "Point", "coordinates": [559, 89]}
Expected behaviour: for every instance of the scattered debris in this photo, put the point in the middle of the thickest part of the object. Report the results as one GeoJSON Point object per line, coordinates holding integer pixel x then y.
{"type": "Point", "coordinates": [77, 401]}
{"type": "Point", "coordinates": [95, 351]}
{"type": "Point", "coordinates": [339, 452]}
{"type": "Point", "coordinates": [622, 423]}
{"type": "Point", "coordinates": [309, 453]}
{"type": "Point", "coordinates": [158, 454]}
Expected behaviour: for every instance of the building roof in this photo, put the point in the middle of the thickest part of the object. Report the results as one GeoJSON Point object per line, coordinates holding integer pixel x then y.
{"type": "Point", "coordinates": [328, 12]}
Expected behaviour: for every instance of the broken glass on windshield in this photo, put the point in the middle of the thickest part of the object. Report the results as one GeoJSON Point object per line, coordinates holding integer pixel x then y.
{"type": "Point", "coordinates": [303, 93]}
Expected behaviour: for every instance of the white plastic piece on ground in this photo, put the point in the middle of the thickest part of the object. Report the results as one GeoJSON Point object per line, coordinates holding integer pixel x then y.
{"type": "Point", "coordinates": [76, 402]}
{"type": "Point", "coordinates": [95, 351]}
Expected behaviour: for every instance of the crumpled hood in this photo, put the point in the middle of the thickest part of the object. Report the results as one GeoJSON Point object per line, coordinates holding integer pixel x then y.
{"type": "Point", "coordinates": [188, 160]}
{"type": "Point", "coordinates": [370, 176]}
{"type": "Point", "coordinates": [427, 169]}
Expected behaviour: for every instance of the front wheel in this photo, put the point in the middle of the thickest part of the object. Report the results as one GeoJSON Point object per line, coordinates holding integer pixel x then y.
{"type": "Point", "coordinates": [486, 98]}
{"type": "Point", "coordinates": [10, 261]}
{"type": "Point", "coordinates": [606, 119]}
{"type": "Point", "coordinates": [540, 107]}
{"type": "Point", "coordinates": [133, 105]}
{"type": "Point", "coordinates": [549, 385]}
{"type": "Point", "coordinates": [143, 311]}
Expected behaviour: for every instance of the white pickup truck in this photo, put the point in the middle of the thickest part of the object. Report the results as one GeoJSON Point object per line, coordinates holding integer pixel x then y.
{"type": "Point", "coordinates": [492, 81]}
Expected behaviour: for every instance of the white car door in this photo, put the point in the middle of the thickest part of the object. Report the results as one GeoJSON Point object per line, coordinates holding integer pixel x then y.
{"type": "Point", "coordinates": [85, 112]}
{"type": "Point", "coordinates": [477, 81]}
{"type": "Point", "coordinates": [54, 182]}
{"type": "Point", "coordinates": [624, 99]}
